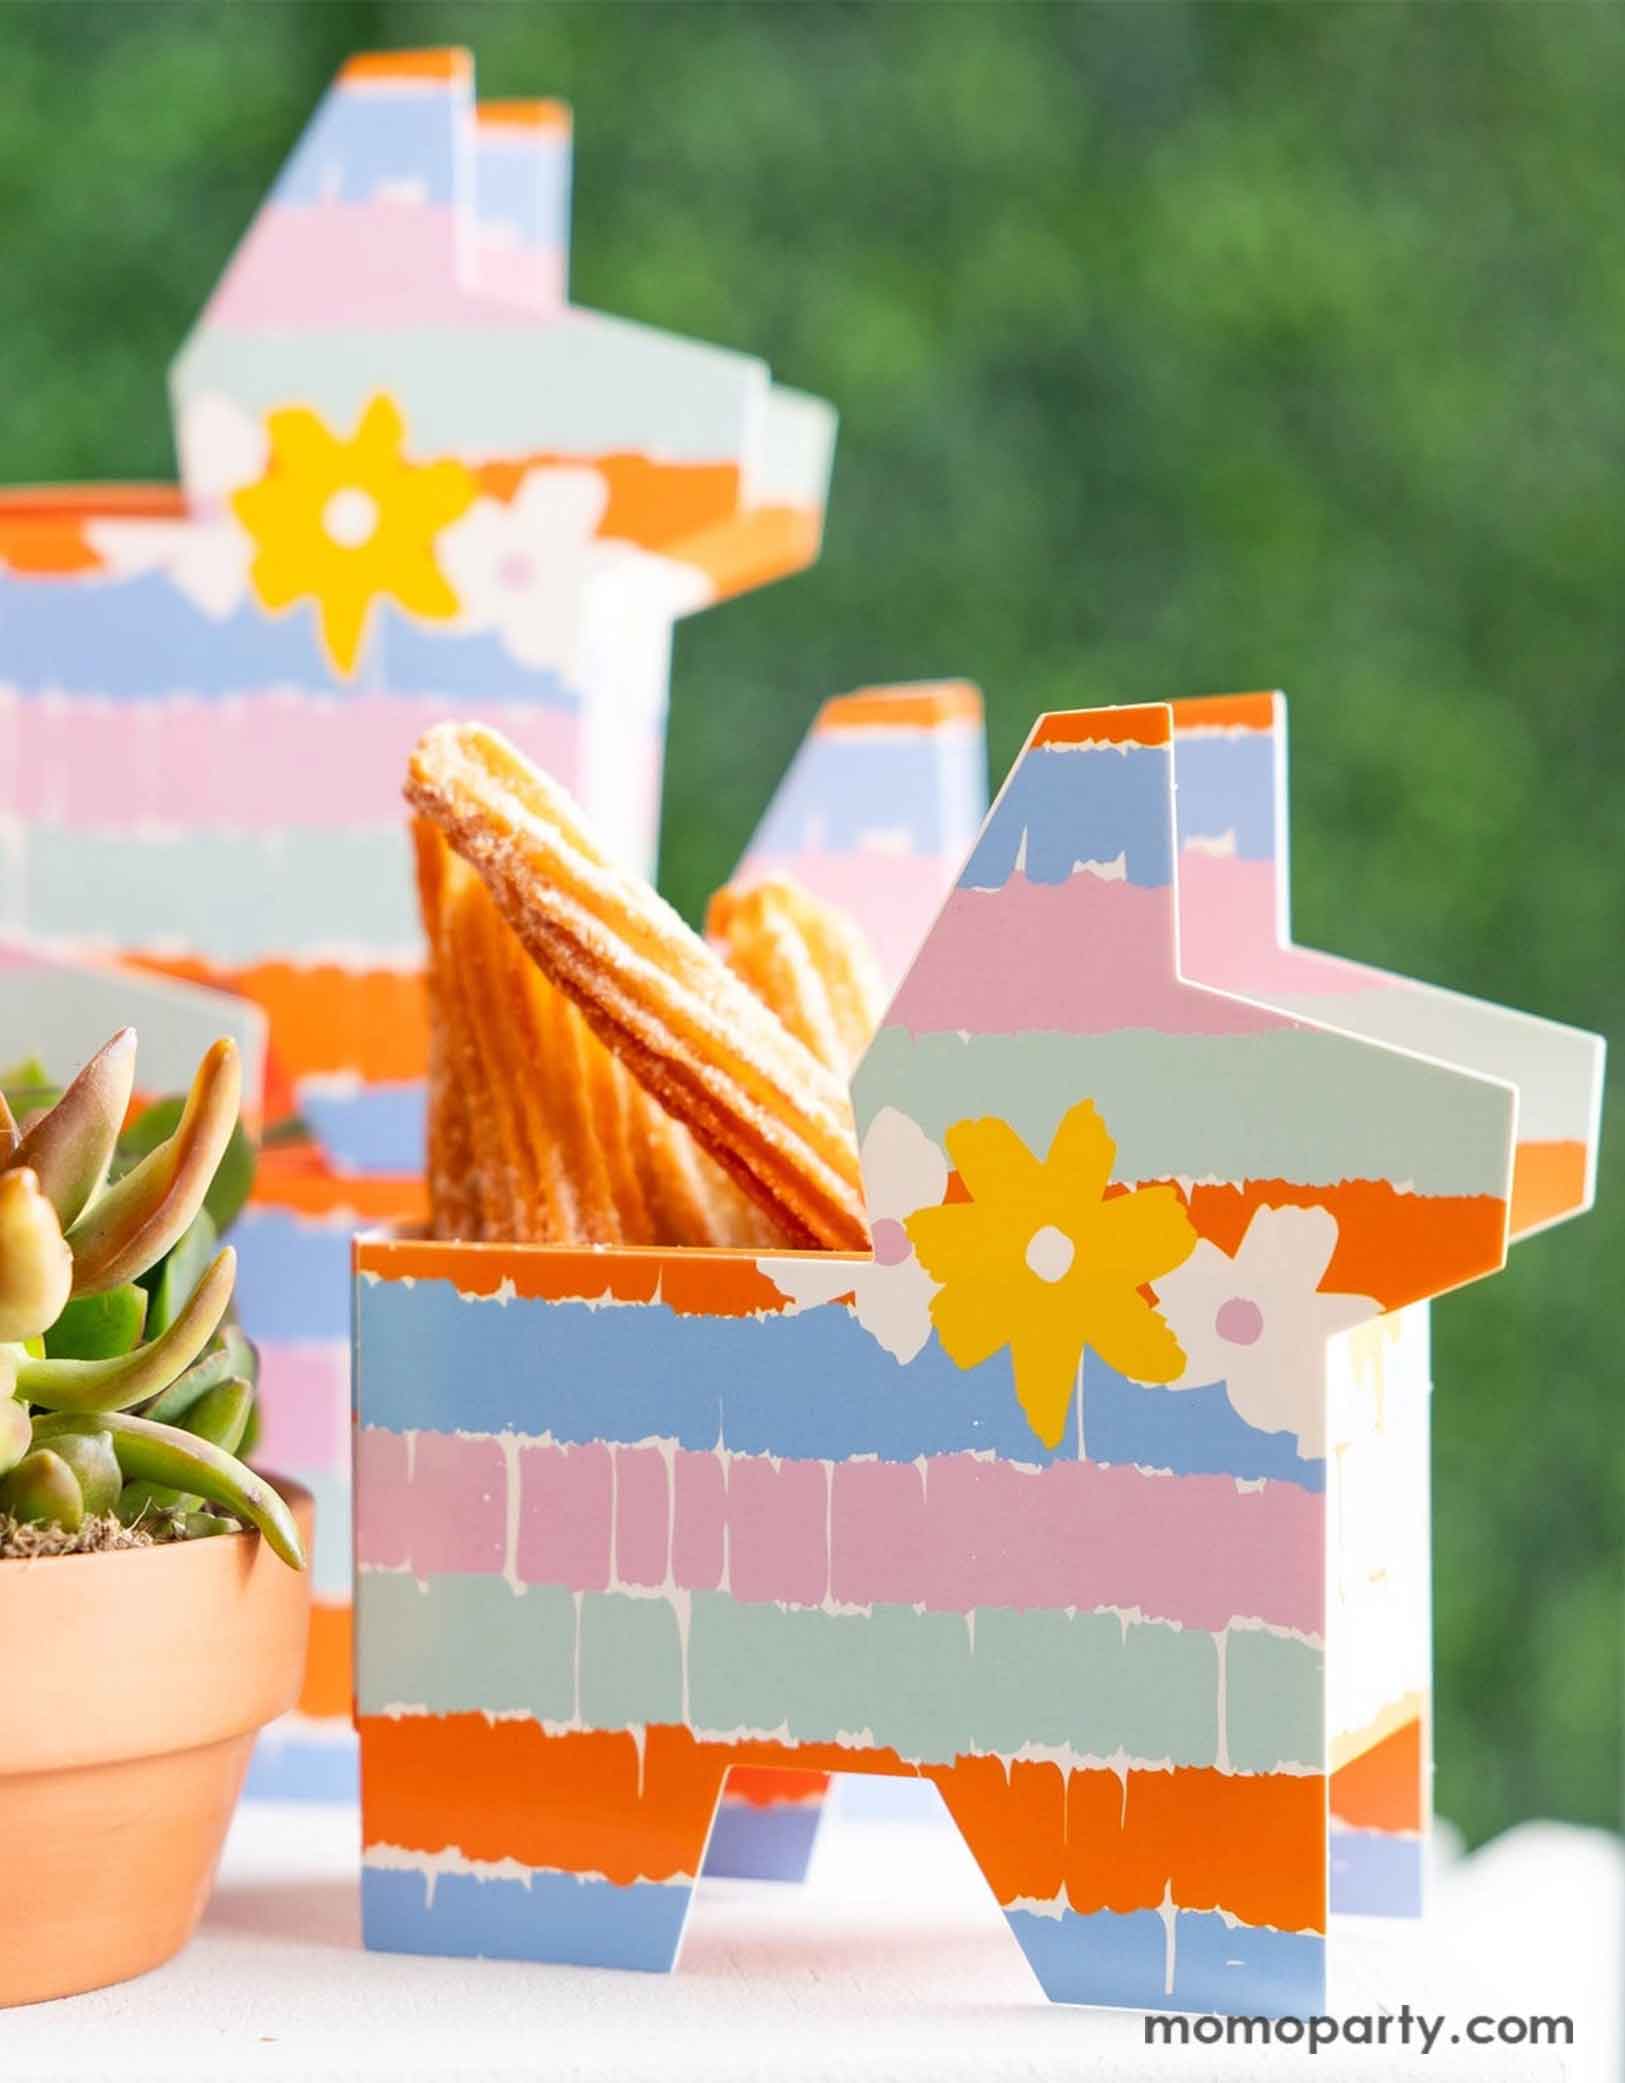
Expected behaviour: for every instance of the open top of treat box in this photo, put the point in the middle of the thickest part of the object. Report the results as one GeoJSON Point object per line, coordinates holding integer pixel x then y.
{"type": "Point", "coordinates": [1094, 1493]}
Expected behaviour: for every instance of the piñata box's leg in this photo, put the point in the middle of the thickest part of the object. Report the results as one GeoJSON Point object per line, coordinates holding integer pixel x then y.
{"type": "Point", "coordinates": [1378, 1615]}
{"type": "Point", "coordinates": [557, 1847]}
{"type": "Point", "coordinates": [1079, 1858]}
{"type": "Point", "coordinates": [767, 1824]}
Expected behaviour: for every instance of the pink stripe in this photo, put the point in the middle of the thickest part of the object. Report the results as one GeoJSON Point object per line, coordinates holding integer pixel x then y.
{"type": "Point", "coordinates": [642, 1515]}
{"type": "Point", "coordinates": [969, 1533]}
{"type": "Point", "coordinates": [778, 1543]}
{"type": "Point", "coordinates": [383, 1500]}
{"type": "Point", "coordinates": [273, 759]}
{"type": "Point", "coordinates": [358, 264]}
{"type": "Point", "coordinates": [700, 1521]}
{"type": "Point", "coordinates": [459, 1506]}
{"type": "Point", "coordinates": [1084, 956]}
{"type": "Point", "coordinates": [304, 1408]}
{"type": "Point", "coordinates": [566, 1506]}
{"type": "Point", "coordinates": [1227, 935]}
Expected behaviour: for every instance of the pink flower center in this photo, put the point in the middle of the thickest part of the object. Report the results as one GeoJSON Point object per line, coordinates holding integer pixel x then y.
{"type": "Point", "coordinates": [891, 1242]}
{"type": "Point", "coordinates": [516, 571]}
{"type": "Point", "coordinates": [1239, 1322]}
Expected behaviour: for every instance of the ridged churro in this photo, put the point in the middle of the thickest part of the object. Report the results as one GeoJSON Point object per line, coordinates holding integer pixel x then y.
{"type": "Point", "coordinates": [686, 1027]}
{"type": "Point", "coordinates": [805, 960]}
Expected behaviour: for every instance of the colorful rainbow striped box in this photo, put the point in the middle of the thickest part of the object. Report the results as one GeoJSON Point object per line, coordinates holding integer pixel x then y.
{"type": "Point", "coordinates": [414, 480]}
{"type": "Point", "coordinates": [1076, 1497]}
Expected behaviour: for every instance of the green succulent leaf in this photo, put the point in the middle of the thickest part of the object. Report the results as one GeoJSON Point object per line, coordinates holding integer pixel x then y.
{"type": "Point", "coordinates": [44, 1490]}
{"type": "Point", "coordinates": [172, 1280]}
{"type": "Point", "coordinates": [162, 1454]}
{"type": "Point", "coordinates": [234, 1176]}
{"type": "Point", "coordinates": [70, 1148]}
{"type": "Point", "coordinates": [99, 1327]}
{"type": "Point", "coordinates": [131, 1225]}
{"type": "Point", "coordinates": [117, 1384]}
{"type": "Point", "coordinates": [16, 1434]}
{"type": "Point", "coordinates": [36, 1266]}
{"type": "Point", "coordinates": [228, 1354]}
{"type": "Point", "coordinates": [220, 1415]}
{"type": "Point", "coordinates": [141, 1504]}
{"type": "Point", "coordinates": [95, 1468]}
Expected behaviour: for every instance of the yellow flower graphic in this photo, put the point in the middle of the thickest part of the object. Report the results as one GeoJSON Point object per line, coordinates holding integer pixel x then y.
{"type": "Point", "coordinates": [343, 522]}
{"type": "Point", "coordinates": [1038, 1259]}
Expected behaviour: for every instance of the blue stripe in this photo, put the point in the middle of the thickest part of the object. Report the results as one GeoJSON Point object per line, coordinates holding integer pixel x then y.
{"type": "Point", "coordinates": [332, 1564]}
{"type": "Point", "coordinates": [526, 185]}
{"type": "Point", "coordinates": [1067, 804]}
{"type": "Point", "coordinates": [845, 786]}
{"type": "Point", "coordinates": [1227, 784]}
{"type": "Point", "coordinates": [753, 1843]}
{"type": "Point", "coordinates": [1375, 1874]}
{"type": "Point", "coordinates": [358, 140]}
{"type": "Point", "coordinates": [577, 1922]}
{"type": "Point", "coordinates": [290, 1768]}
{"type": "Point", "coordinates": [375, 1128]}
{"type": "Point", "coordinates": [1193, 1432]}
{"type": "Point", "coordinates": [138, 637]}
{"type": "Point", "coordinates": [812, 1386]}
{"type": "Point", "coordinates": [293, 1275]}
{"type": "Point", "coordinates": [1121, 1960]}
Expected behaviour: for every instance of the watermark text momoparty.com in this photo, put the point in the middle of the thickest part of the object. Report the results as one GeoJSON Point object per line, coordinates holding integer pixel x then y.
{"type": "Point", "coordinates": [1401, 2028]}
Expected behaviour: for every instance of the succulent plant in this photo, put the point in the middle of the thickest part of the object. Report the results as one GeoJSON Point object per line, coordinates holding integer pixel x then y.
{"type": "Point", "coordinates": [124, 1389]}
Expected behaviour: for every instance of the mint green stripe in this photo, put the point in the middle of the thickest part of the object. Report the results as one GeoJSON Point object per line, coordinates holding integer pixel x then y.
{"type": "Point", "coordinates": [456, 1644]}
{"type": "Point", "coordinates": [1311, 1107]}
{"type": "Point", "coordinates": [584, 388]}
{"type": "Point", "coordinates": [242, 895]}
{"type": "Point", "coordinates": [929, 1685]}
{"type": "Point", "coordinates": [1275, 1701]}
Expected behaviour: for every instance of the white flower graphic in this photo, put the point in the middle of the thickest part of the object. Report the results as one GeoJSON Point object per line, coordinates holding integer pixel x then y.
{"type": "Point", "coordinates": [520, 567]}
{"type": "Point", "coordinates": [206, 556]}
{"type": "Point", "coordinates": [902, 1170]}
{"type": "Point", "coordinates": [1258, 1322]}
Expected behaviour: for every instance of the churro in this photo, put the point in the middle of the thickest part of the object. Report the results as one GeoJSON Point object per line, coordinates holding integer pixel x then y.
{"type": "Point", "coordinates": [805, 960]}
{"type": "Point", "coordinates": [691, 1033]}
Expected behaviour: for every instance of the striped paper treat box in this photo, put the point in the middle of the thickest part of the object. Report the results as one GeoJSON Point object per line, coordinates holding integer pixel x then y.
{"type": "Point", "coordinates": [1043, 1501]}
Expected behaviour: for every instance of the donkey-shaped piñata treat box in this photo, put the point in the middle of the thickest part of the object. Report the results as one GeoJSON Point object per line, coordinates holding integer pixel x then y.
{"type": "Point", "coordinates": [1063, 1498]}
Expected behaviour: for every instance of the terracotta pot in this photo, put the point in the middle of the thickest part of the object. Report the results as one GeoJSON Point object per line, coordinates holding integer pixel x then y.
{"type": "Point", "coordinates": [133, 1687]}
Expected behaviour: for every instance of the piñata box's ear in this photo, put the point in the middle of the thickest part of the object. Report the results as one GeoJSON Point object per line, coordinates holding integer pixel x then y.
{"type": "Point", "coordinates": [1234, 925]}
{"type": "Point", "coordinates": [878, 809]}
{"type": "Point", "coordinates": [1051, 983]}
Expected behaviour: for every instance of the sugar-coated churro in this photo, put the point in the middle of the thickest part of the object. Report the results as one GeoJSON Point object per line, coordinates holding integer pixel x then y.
{"type": "Point", "coordinates": [690, 1032]}
{"type": "Point", "coordinates": [805, 960]}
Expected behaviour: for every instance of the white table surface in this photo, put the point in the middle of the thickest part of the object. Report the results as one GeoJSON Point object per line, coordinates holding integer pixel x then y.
{"type": "Point", "coordinates": [890, 1963]}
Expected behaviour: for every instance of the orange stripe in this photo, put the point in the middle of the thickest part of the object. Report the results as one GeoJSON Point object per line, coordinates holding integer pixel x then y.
{"type": "Point", "coordinates": [916, 703]}
{"type": "Point", "coordinates": [650, 503]}
{"type": "Point", "coordinates": [523, 115]}
{"type": "Point", "coordinates": [1225, 712]}
{"type": "Point", "coordinates": [327, 1692]}
{"type": "Point", "coordinates": [1381, 1789]}
{"type": "Point", "coordinates": [760, 1788]}
{"type": "Point", "coordinates": [588, 1802]}
{"type": "Point", "coordinates": [1397, 1247]}
{"type": "Point", "coordinates": [299, 1178]}
{"type": "Point", "coordinates": [753, 548]}
{"type": "Point", "coordinates": [690, 1282]}
{"type": "Point", "coordinates": [1548, 1181]}
{"type": "Point", "coordinates": [325, 1018]}
{"type": "Point", "coordinates": [42, 527]}
{"type": "Point", "coordinates": [449, 62]}
{"type": "Point", "coordinates": [1146, 725]}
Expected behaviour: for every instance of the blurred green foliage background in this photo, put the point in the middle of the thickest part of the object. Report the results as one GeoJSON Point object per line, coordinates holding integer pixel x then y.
{"type": "Point", "coordinates": [1177, 348]}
